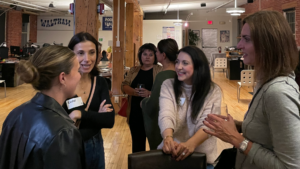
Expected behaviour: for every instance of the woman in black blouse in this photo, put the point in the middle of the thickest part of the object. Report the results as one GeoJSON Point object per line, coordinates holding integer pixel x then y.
{"type": "Point", "coordinates": [145, 75]}
{"type": "Point", "coordinates": [92, 109]}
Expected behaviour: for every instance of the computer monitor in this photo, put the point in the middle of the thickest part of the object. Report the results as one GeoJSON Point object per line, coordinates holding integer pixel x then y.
{"type": "Point", "coordinates": [3, 52]}
{"type": "Point", "coordinates": [15, 50]}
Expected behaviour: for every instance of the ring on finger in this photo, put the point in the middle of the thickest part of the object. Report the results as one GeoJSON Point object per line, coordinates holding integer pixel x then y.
{"type": "Point", "coordinates": [225, 119]}
{"type": "Point", "coordinates": [183, 154]}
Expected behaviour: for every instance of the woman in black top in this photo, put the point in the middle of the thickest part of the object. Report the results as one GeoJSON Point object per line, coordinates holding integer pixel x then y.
{"type": "Point", "coordinates": [91, 111]}
{"type": "Point", "coordinates": [145, 75]}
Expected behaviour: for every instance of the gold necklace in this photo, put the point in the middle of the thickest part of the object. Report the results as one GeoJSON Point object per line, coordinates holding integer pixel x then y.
{"type": "Point", "coordinates": [82, 89]}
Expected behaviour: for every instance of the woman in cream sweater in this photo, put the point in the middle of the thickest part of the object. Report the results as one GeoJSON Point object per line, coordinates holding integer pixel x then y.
{"type": "Point", "coordinates": [184, 104]}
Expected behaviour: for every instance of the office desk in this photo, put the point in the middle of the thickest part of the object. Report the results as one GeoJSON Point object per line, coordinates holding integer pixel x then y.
{"type": "Point", "coordinates": [9, 74]}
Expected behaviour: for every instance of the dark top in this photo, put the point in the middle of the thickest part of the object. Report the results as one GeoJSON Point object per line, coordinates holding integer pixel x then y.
{"type": "Point", "coordinates": [104, 56]}
{"type": "Point", "coordinates": [40, 134]}
{"type": "Point", "coordinates": [150, 107]}
{"type": "Point", "coordinates": [91, 121]}
{"type": "Point", "coordinates": [143, 77]}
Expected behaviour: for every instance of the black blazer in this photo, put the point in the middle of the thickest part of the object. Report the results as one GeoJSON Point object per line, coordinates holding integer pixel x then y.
{"type": "Point", "coordinates": [40, 134]}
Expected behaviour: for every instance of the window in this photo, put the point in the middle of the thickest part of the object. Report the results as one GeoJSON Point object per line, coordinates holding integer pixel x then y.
{"type": "Point", "coordinates": [25, 33]}
{"type": "Point", "coordinates": [290, 17]}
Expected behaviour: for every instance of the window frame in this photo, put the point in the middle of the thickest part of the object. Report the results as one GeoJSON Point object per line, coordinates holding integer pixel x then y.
{"type": "Point", "coordinates": [289, 11]}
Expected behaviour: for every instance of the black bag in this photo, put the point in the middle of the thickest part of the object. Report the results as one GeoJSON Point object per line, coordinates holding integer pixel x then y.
{"type": "Point", "coordinates": [226, 159]}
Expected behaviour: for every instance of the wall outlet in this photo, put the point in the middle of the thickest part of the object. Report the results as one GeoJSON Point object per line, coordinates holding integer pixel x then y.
{"type": "Point", "coordinates": [116, 99]}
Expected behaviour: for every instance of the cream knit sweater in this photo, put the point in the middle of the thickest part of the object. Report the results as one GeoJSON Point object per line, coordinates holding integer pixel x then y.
{"type": "Point", "coordinates": [178, 117]}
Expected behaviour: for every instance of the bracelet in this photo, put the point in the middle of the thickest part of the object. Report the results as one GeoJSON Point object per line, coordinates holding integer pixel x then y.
{"type": "Point", "coordinates": [168, 136]}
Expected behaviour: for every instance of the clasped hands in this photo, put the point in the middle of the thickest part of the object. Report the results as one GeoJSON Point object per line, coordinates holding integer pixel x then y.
{"type": "Point", "coordinates": [179, 151]}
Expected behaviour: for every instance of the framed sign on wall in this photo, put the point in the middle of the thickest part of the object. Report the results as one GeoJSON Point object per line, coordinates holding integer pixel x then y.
{"type": "Point", "coordinates": [107, 23]}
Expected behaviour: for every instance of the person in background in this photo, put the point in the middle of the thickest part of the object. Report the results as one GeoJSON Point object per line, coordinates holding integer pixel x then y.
{"type": "Point", "coordinates": [39, 133]}
{"type": "Point", "coordinates": [102, 57]}
{"type": "Point", "coordinates": [138, 84]}
{"type": "Point", "coordinates": [109, 53]}
{"type": "Point", "coordinates": [99, 53]}
{"type": "Point", "coordinates": [270, 128]}
{"type": "Point", "coordinates": [94, 110]}
{"type": "Point", "coordinates": [185, 102]}
{"type": "Point", "coordinates": [166, 54]}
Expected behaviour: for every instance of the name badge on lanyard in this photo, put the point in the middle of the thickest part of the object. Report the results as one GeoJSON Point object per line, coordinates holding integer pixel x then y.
{"type": "Point", "coordinates": [75, 102]}
{"type": "Point", "coordinates": [182, 100]}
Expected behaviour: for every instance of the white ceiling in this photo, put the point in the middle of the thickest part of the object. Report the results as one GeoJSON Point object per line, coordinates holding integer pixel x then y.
{"type": "Point", "coordinates": [182, 5]}
{"type": "Point", "coordinates": [147, 5]}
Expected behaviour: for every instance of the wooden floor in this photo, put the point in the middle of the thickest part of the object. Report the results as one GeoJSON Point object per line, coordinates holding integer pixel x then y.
{"type": "Point", "coordinates": [117, 141]}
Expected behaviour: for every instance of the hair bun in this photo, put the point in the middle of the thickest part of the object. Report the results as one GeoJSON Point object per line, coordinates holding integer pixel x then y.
{"type": "Point", "coordinates": [28, 72]}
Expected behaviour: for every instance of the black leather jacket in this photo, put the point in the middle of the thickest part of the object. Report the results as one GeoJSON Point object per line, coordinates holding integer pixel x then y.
{"type": "Point", "coordinates": [40, 134]}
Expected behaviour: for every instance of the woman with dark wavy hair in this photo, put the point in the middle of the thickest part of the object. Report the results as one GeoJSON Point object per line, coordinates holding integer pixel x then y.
{"type": "Point", "coordinates": [93, 110]}
{"type": "Point", "coordinates": [185, 102]}
{"type": "Point", "coordinates": [145, 75]}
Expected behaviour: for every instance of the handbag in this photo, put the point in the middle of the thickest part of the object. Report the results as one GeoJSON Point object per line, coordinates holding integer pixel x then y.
{"type": "Point", "coordinates": [77, 123]}
{"type": "Point", "coordinates": [122, 111]}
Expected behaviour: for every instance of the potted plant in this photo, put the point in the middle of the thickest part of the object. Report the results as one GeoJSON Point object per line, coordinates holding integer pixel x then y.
{"type": "Point", "coordinates": [193, 38]}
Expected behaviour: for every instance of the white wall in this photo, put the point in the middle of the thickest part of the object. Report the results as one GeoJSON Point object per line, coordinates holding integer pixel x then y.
{"type": "Point", "coordinates": [153, 30]}
{"type": "Point", "coordinates": [216, 17]}
{"type": "Point", "coordinates": [63, 34]}
{"type": "Point", "coordinates": [199, 21]}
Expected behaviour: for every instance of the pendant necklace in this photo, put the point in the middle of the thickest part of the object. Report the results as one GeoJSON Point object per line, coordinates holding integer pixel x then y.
{"type": "Point", "coordinates": [82, 89]}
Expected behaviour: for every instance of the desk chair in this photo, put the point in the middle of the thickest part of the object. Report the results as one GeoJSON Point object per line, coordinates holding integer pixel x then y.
{"type": "Point", "coordinates": [3, 81]}
{"type": "Point", "coordinates": [247, 79]}
{"type": "Point", "coordinates": [220, 63]}
{"type": "Point", "coordinates": [156, 159]}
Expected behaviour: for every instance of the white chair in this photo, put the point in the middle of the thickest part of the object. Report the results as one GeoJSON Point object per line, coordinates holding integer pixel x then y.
{"type": "Point", "coordinates": [247, 79]}
{"type": "Point", "coordinates": [3, 81]}
{"type": "Point", "coordinates": [220, 63]}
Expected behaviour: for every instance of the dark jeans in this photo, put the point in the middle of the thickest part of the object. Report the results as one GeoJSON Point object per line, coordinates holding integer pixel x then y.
{"type": "Point", "coordinates": [94, 152]}
{"type": "Point", "coordinates": [209, 166]}
{"type": "Point", "coordinates": [137, 129]}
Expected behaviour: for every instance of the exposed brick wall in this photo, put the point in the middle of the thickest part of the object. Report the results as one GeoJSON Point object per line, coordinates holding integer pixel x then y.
{"type": "Point", "coordinates": [33, 28]}
{"type": "Point", "coordinates": [14, 28]}
{"type": "Point", "coordinates": [274, 5]}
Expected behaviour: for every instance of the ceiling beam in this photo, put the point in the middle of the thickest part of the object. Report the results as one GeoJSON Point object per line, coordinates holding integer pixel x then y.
{"type": "Point", "coordinates": [3, 6]}
{"type": "Point", "coordinates": [137, 7]}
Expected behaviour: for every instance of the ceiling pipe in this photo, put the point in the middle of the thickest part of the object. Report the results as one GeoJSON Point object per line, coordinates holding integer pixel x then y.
{"type": "Point", "coordinates": [166, 10]}
{"type": "Point", "coordinates": [108, 3]}
{"type": "Point", "coordinates": [38, 6]}
{"type": "Point", "coordinates": [32, 8]}
{"type": "Point", "coordinates": [220, 6]}
{"type": "Point", "coordinates": [9, 3]}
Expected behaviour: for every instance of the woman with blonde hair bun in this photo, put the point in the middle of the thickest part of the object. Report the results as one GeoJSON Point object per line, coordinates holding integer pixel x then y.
{"type": "Point", "coordinates": [39, 133]}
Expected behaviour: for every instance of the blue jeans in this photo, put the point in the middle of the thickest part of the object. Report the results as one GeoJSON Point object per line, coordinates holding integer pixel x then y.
{"type": "Point", "coordinates": [94, 152]}
{"type": "Point", "coordinates": [209, 166]}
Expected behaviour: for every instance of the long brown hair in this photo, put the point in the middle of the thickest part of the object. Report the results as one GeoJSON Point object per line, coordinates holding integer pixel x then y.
{"type": "Point", "coordinates": [276, 51]}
